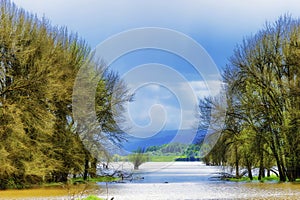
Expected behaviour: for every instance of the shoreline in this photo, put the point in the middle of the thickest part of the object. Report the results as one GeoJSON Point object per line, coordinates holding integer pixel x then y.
{"type": "Point", "coordinates": [169, 180]}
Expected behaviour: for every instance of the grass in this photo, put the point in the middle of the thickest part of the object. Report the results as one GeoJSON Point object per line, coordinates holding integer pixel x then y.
{"type": "Point", "coordinates": [93, 180]}
{"type": "Point", "coordinates": [170, 158]}
{"type": "Point", "coordinates": [243, 179]}
{"type": "Point", "coordinates": [271, 178]}
{"type": "Point", "coordinates": [92, 197]}
{"type": "Point", "coordinates": [255, 178]}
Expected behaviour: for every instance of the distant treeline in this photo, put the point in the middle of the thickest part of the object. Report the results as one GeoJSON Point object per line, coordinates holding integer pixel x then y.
{"type": "Point", "coordinates": [189, 159]}
{"type": "Point", "coordinates": [185, 152]}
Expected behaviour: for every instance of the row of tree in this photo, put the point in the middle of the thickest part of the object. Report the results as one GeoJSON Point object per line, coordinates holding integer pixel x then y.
{"type": "Point", "coordinates": [176, 149]}
{"type": "Point", "coordinates": [262, 92]}
{"type": "Point", "coordinates": [39, 140]}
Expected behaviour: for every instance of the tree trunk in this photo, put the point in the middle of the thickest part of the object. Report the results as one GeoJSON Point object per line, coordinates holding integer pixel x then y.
{"type": "Point", "coordinates": [282, 175]}
{"type": "Point", "coordinates": [93, 169]}
{"type": "Point", "coordinates": [249, 168]}
{"type": "Point", "coordinates": [261, 173]}
{"type": "Point", "coordinates": [281, 170]}
{"type": "Point", "coordinates": [298, 171]}
{"type": "Point", "coordinates": [237, 174]}
{"type": "Point", "coordinates": [249, 172]}
{"type": "Point", "coordinates": [86, 169]}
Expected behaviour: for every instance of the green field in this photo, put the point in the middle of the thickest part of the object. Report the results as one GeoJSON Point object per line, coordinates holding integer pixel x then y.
{"type": "Point", "coordinates": [170, 158]}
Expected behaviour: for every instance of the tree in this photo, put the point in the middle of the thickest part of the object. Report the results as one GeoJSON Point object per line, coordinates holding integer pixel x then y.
{"type": "Point", "coordinates": [262, 89]}
{"type": "Point", "coordinates": [27, 88]}
{"type": "Point", "coordinates": [39, 64]}
{"type": "Point", "coordinates": [138, 158]}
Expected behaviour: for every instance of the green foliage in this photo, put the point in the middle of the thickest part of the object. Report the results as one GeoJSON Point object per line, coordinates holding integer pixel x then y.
{"type": "Point", "coordinates": [164, 153]}
{"type": "Point", "coordinates": [30, 84]}
{"type": "Point", "coordinates": [263, 103]}
{"type": "Point", "coordinates": [38, 66]}
{"type": "Point", "coordinates": [174, 149]}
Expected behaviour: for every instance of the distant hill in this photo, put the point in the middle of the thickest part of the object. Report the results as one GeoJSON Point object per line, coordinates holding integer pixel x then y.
{"type": "Point", "coordinates": [164, 137]}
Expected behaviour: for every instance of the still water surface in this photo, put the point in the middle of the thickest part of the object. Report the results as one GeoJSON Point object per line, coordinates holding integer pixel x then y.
{"type": "Point", "coordinates": [178, 180]}
{"type": "Point", "coordinates": [192, 180]}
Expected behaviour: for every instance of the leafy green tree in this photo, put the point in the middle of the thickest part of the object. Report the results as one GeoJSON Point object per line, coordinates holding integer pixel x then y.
{"type": "Point", "coordinates": [262, 88]}
{"type": "Point", "coordinates": [39, 64]}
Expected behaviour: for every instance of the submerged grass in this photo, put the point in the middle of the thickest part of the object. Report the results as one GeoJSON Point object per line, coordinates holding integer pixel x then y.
{"type": "Point", "coordinates": [94, 180]}
{"type": "Point", "coordinates": [272, 178]}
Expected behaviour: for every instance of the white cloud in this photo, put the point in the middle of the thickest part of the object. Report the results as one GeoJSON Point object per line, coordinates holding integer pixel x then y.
{"type": "Point", "coordinates": [208, 21]}
{"type": "Point", "coordinates": [175, 111]}
{"type": "Point", "coordinates": [206, 88]}
{"type": "Point", "coordinates": [99, 19]}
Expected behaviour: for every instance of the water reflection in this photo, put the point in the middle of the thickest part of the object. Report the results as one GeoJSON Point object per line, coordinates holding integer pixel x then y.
{"type": "Point", "coordinates": [183, 180]}
{"type": "Point", "coordinates": [179, 180]}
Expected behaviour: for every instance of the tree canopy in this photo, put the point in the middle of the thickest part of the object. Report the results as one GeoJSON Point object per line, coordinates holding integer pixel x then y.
{"type": "Point", "coordinates": [38, 67]}
{"type": "Point", "coordinates": [263, 103]}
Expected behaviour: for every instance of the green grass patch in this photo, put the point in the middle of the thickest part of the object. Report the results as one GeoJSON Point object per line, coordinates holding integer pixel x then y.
{"type": "Point", "coordinates": [243, 179]}
{"type": "Point", "coordinates": [255, 178]}
{"type": "Point", "coordinates": [97, 179]}
{"type": "Point", "coordinates": [271, 178]}
{"type": "Point", "coordinates": [169, 158]}
{"type": "Point", "coordinates": [104, 179]}
{"type": "Point", "coordinates": [92, 197]}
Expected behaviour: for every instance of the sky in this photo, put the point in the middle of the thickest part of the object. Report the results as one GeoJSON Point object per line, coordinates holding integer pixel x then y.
{"type": "Point", "coordinates": [169, 73]}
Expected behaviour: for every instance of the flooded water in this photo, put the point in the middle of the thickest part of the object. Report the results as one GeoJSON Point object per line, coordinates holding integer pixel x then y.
{"type": "Point", "coordinates": [163, 181]}
{"type": "Point", "coordinates": [51, 193]}
{"type": "Point", "coordinates": [192, 180]}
